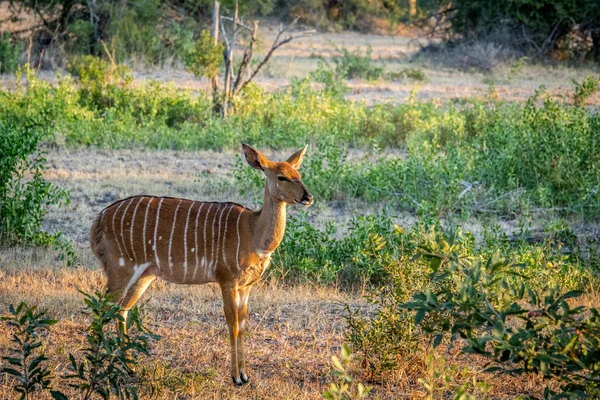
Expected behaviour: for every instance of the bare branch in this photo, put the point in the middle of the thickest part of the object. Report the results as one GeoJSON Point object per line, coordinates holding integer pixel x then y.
{"type": "Point", "coordinates": [277, 44]}
{"type": "Point", "coordinates": [239, 23]}
{"type": "Point", "coordinates": [246, 60]}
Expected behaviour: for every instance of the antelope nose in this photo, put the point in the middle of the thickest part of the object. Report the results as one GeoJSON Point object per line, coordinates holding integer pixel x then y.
{"type": "Point", "coordinates": [307, 198]}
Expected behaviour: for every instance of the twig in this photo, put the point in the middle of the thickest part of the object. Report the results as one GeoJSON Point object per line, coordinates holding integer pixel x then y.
{"type": "Point", "coordinates": [276, 44]}
{"type": "Point", "coordinates": [239, 23]}
{"type": "Point", "coordinates": [490, 306]}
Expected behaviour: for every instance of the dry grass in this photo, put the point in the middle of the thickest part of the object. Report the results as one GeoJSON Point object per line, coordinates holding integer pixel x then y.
{"type": "Point", "coordinates": [294, 331]}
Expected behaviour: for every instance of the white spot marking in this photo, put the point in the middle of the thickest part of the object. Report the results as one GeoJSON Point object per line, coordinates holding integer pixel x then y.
{"type": "Point", "coordinates": [132, 223]}
{"type": "Point", "coordinates": [144, 233]}
{"type": "Point", "coordinates": [171, 237]}
{"type": "Point", "coordinates": [155, 233]}
{"type": "Point", "coordinates": [193, 249]}
{"type": "Point", "coordinates": [121, 262]}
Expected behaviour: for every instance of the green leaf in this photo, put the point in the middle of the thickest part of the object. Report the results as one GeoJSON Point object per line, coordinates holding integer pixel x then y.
{"type": "Point", "coordinates": [437, 340]}
{"type": "Point", "coordinates": [56, 395]}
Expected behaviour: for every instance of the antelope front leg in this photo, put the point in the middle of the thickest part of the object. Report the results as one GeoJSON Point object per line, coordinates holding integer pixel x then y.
{"type": "Point", "coordinates": [231, 301]}
{"type": "Point", "coordinates": [242, 318]}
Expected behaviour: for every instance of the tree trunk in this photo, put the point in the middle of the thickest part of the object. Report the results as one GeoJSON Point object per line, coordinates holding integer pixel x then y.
{"type": "Point", "coordinates": [215, 79]}
{"type": "Point", "coordinates": [412, 8]}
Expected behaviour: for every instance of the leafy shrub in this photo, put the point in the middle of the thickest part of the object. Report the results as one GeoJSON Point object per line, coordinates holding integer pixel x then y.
{"type": "Point", "coordinates": [9, 54]}
{"type": "Point", "coordinates": [406, 259]}
{"type": "Point", "coordinates": [24, 193]}
{"type": "Point", "coordinates": [353, 65]}
{"type": "Point", "coordinates": [342, 389]}
{"type": "Point", "coordinates": [90, 69]}
{"type": "Point", "coordinates": [536, 26]}
{"type": "Point", "coordinates": [206, 58]}
{"type": "Point", "coordinates": [478, 300]}
{"type": "Point", "coordinates": [103, 369]}
{"type": "Point", "coordinates": [585, 90]}
{"type": "Point", "coordinates": [105, 366]}
{"type": "Point", "coordinates": [30, 370]}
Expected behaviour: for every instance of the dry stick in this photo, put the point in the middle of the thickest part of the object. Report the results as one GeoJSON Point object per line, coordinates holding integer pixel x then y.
{"type": "Point", "coordinates": [247, 59]}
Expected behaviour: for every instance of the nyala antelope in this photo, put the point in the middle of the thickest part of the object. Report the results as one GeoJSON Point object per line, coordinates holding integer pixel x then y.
{"type": "Point", "coordinates": [193, 242]}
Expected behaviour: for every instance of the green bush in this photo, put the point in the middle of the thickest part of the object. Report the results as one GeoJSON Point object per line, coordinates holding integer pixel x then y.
{"type": "Point", "coordinates": [535, 25]}
{"type": "Point", "coordinates": [520, 330]}
{"type": "Point", "coordinates": [103, 368]}
{"type": "Point", "coordinates": [9, 54]}
{"type": "Point", "coordinates": [404, 260]}
{"type": "Point", "coordinates": [24, 193]}
{"type": "Point", "coordinates": [206, 58]}
{"type": "Point", "coordinates": [353, 65]}
{"type": "Point", "coordinates": [29, 369]}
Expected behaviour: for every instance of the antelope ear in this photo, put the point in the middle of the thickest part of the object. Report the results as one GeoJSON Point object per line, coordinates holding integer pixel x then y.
{"type": "Point", "coordinates": [255, 158]}
{"type": "Point", "coordinates": [296, 158]}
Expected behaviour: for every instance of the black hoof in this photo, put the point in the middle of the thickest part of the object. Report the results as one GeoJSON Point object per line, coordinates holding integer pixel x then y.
{"type": "Point", "coordinates": [237, 381]}
{"type": "Point", "coordinates": [245, 378]}
{"type": "Point", "coordinates": [241, 381]}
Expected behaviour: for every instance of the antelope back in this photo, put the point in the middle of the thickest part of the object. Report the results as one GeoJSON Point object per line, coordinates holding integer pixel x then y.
{"type": "Point", "coordinates": [187, 241]}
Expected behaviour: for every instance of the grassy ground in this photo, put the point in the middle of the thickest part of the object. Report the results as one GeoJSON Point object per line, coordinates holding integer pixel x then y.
{"type": "Point", "coordinates": [294, 330]}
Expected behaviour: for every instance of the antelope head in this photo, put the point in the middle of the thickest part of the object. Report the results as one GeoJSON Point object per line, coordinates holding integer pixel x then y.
{"type": "Point", "coordinates": [284, 182]}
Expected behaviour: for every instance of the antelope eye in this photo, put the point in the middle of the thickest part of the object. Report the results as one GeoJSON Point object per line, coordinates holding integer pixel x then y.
{"type": "Point", "coordinates": [283, 178]}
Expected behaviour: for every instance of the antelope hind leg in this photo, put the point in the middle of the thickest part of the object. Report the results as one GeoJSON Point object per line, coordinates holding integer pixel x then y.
{"type": "Point", "coordinates": [130, 295]}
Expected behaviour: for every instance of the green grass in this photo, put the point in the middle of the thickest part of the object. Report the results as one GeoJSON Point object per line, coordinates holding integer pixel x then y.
{"type": "Point", "coordinates": [471, 157]}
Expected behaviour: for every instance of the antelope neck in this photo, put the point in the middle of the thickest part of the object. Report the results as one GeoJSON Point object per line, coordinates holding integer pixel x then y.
{"type": "Point", "coordinates": [269, 223]}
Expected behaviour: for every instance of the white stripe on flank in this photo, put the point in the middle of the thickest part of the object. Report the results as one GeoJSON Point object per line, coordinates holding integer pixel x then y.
{"type": "Point", "coordinates": [113, 227]}
{"type": "Point", "coordinates": [219, 235]}
{"type": "Point", "coordinates": [237, 254]}
{"type": "Point", "coordinates": [138, 270]}
{"type": "Point", "coordinates": [187, 221]}
{"type": "Point", "coordinates": [123, 223]}
{"type": "Point", "coordinates": [212, 250]}
{"type": "Point", "coordinates": [131, 229]}
{"type": "Point", "coordinates": [225, 233]}
{"type": "Point", "coordinates": [196, 240]}
{"type": "Point", "coordinates": [144, 233]}
{"type": "Point", "coordinates": [171, 237]}
{"type": "Point", "coordinates": [205, 222]}
{"type": "Point", "coordinates": [156, 232]}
